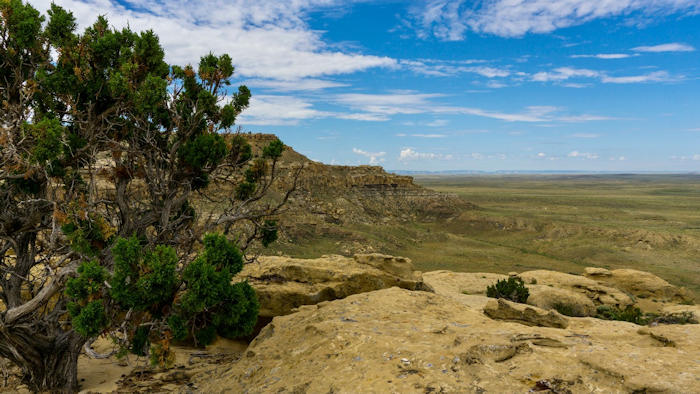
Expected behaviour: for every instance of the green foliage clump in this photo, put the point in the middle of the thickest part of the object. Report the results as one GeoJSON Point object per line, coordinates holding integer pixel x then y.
{"type": "Point", "coordinates": [269, 233]}
{"type": "Point", "coordinates": [211, 305]}
{"type": "Point", "coordinates": [635, 315]}
{"type": "Point", "coordinates": [143, 279]}
{"type": "Point", "coordinates": [630, 314]}
{"type": "Point", "coordinates": [568, 310]}
{"type": "Point", "coordinates": [86, 308]}
{"type": "Point", "coordinates": [274, 149]}
{"type": "Point", "coordinates": [48, 134]}
{"type": "Point", "coordinates": [512, 289]}
{"type": "Point", "coordinates": [89, 320]}
{"type": "Point", "coordinates": [88, 236]}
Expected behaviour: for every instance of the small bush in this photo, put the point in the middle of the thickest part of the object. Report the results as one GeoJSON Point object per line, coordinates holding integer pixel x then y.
{"type": "Point", "coordinates": [635, 315]}
{"type": "Point", "coordinates": [567, 310]}
{"type": "Point", "coordinates": [674, 318]}
{"type": "Point", "coordinates": [512, 289]}
{"type": "Point", "coordinates": [630, 314]}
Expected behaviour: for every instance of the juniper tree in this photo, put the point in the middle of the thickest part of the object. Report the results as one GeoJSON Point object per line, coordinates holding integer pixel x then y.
{"type": "Point", "coordinates": [108, 158]}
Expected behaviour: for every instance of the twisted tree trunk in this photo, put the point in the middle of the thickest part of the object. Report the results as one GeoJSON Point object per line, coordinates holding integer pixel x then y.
{"type": "Point", "coordinates": [49, 364]}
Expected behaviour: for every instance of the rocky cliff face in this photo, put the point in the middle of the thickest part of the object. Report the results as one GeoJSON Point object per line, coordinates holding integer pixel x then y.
{"type": "Point", "coordinates": [329, 196]}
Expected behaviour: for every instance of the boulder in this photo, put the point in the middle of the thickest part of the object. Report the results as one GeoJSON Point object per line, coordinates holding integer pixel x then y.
{"type": "Point", "coordinates": [593, 272]}
{"type": "Point", "coordinates": [643, 285]}
{"type": "Point", "coordinates": [395, 340]}
{"type": "Point", "coordinates": [501, 309]}
{"type": "Point", "coordinates": [284, 283]}
{"type": "Point", "coordinates": [565, 301]}
{"type": "Point", "coordinates": [599, 294]}
{"type": "Point", "coordinates": [468, 288]}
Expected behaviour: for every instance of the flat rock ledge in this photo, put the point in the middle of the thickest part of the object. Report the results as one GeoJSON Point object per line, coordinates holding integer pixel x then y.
{"type": "Point", "coordinates": [284, 284]}
{"type": "Point", "coordinates": [400, 341]}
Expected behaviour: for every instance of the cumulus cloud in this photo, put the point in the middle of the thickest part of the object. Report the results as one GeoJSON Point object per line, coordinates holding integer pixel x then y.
{"type": "Point", "coordinates": [451, 19]}
{"type": "Point", "coordinates": [265, 38]}
{"type": "Point", "coordinates": [670, 47]}
{"type": "Point", "coordinates": [374, 157]}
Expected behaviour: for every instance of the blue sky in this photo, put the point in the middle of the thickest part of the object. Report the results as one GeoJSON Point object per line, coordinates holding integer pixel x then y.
{"type": "Point", "coordinates": [452, 85]}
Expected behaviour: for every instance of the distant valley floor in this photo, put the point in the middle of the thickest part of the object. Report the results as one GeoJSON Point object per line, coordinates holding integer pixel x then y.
{"type": "Point", "coordinates": [562, 222]}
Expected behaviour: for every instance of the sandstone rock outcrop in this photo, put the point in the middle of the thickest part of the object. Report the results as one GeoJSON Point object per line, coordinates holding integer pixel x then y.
{"type": "Point", "coordinates": [640, 284]}
{"type": "Point", "coordinates": [573, 303]}
{"type": "Point", "coordinates": [501, 309]}
{"type": "Point", "coordinates": [284, 283]}
{"type": "Point", "coordinates": [597, 293]}
{"type": "Point", "coordinates": [395, 340]}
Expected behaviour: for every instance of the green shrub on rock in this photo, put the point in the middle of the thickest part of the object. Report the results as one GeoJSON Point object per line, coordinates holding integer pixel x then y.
{"type": "Point", "coordinates": [512, 289]}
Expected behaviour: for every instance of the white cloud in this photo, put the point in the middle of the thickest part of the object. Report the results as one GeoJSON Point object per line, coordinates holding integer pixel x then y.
{"type": "Point", "coordinates": [437, 123]}
{"type": "Point", "coordinates": [388, 104]}
{"type": "Point", "coordinates": [451, 19]}
{"type": "Point", "coordinates": [410, 154]}
{"type": "Point", "coordinates": [606, 56]}
{"type": "Point", "coordinates": [278, 110]}
{"type": "Point", "coordinates": [429, 135]}
{"type": "Point", "coordinates": [265, 38]}
{"type": "Point", "coordinates": [562, 74]}
{"type": "Point", "coordinates": [585, 135]}
{"type": "Point", "coordinates": [439, 68]}
{"type": "Point", "coordinates": [656, 76]}
{"type": "Point", "coordinates": [583, 155]}
{"type": "Point", "coordinates": [670, 47]}
{"type": "Point", "coordinates": [366, 117]}
{"type": "Point", "coordinates": [374, 157]}
{"type": "Point", "coordinates": [541, 154]}
{"type": "Point", "coordinates": [293, 85]}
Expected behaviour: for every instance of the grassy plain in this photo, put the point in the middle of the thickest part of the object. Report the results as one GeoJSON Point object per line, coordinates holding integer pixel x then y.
{"type": "Point", "coordinates": [560, 222]}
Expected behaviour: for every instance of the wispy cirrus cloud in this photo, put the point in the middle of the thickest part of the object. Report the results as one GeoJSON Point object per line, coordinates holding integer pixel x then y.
{"type": "Point", "coordinates": [583, 155]}
{"type": "Point", "coordinates": [411, 103]}
{"type": "Point", "coordinates": [451, 19]}
{"type": "Point", "coordinates": [670, 47]}
{"type": "Point", "coordinates": [422, 135]}
{"type": "Point", "coordinates": [437, 68]}
{"type": "Point", "coordinates": [566, 73]}
{"type": "Point", "coordinates": [605, 56]}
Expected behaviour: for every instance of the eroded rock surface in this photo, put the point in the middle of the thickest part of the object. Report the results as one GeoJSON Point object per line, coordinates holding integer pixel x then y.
{"type": "Point", "coordinates": [640, 284]}
{"type": "Point", "coordinates": [599, 294]}
{"type": "Point", "coordinates": [396, 340]}
{"type": "Point", "coordinates": [501, 309]}
{"type": "Point", "coordinates": [284, 283]}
